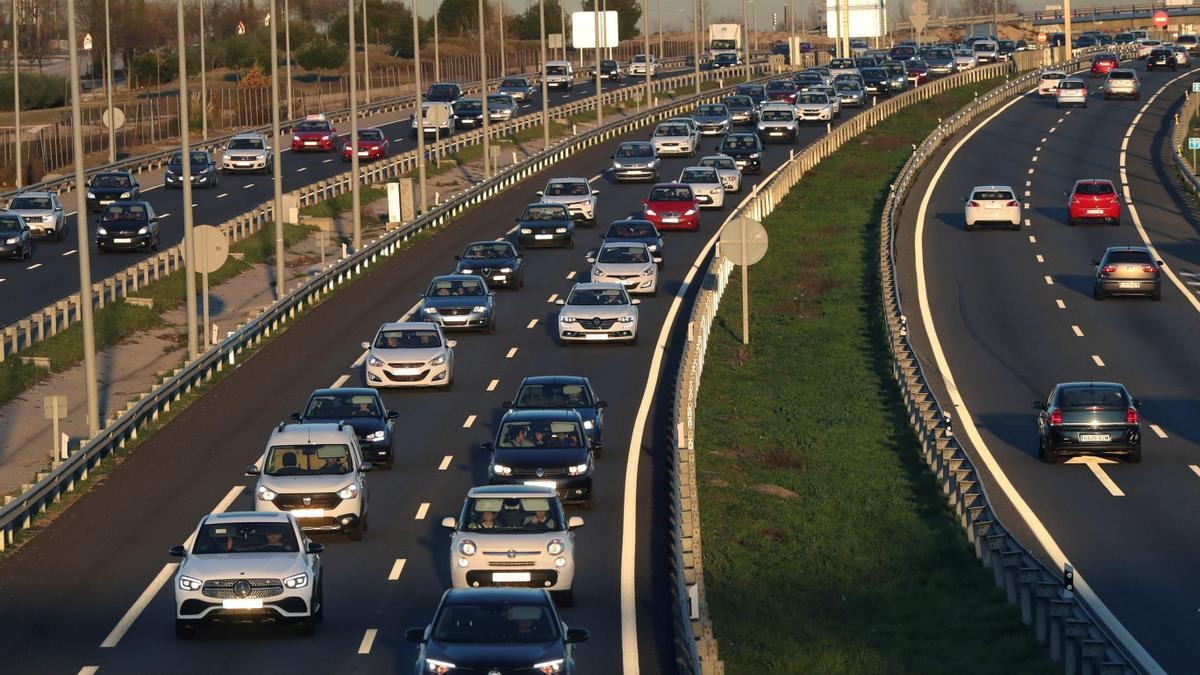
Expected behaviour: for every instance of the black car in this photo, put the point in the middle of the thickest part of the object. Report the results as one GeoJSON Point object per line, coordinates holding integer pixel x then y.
{"type": "Point", "coordinates": [1124, 39]}
{"type": "Point", "coordinates": [546, 447]}
{"type": "Point", "coordinates": [756, 92]}
{"type": "Point", "coordinates": [111, 186]}
{"type": "Point", "coordinates": [468, 113]}
{"type": "Point", "coordinates": [806, 79]}
{"type": "Point", "coordinates": [725, 60]}
{"type": "Point", "coordinates": [459, 301]}
{"type": "Point", "coordinates": [498, 262]}
{"type": "Point", "coordinates": [610, 70]}
{"type": "Point", "coordinates": [746, 149]}
{"type": "Point", "coordinates": [741, 109]}
{"type": "Point", "coordinates": [636, 230]}
{"type": "Point", "coordinates": [1161, 58]}
{"type": "Point", "coordinates": [363, 409]}
{"type": "Point", "coordinates": [1089, 418]}
{"type": "Point", "coordinates": [544, 224]}
{"type": "Point", "coordinates": [1006, 48]}
{"type": "Point", "coordinates": [204, 170]}
{"type": "Point", "coordinates": [876, 81]}
{"type": "Point", "coordinates": [443, 92]}
{"type": "Point", "coordinates": [563, 392]}
{"type": "Point", "coordinates": [127, 225]}
{"type": "Point", "coordinates": [902, 53]}
{"type": "Point", "coordinates": [496, 630]}
{"type": "Point", "coordinates": [16, 241]}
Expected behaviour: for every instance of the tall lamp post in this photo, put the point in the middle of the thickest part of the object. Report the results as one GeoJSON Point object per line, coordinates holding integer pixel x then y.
{"type": "Point", "coordinates": [598, 31]}
{"type": "Point", "coordinates": [696, 41]}
{"type": "Point", "coordinates": [503, 61]}
{"type": "Point", "coordinates": [366, 63]}
{"type": "Point", "coordinates": [437, 58]}
{"type": "Point", "coordinates": [189, 246]}
{"type": "Point", "coordinates": [108, 84]}
{"type": "Point", "coordinates": [545, 93]}
{"type": "Point", "coordinates": [203, 78]}
{"type": "Point", "coordinates": [17, 93]}
{"type": "Point", "coordinates": [483, 95]}
{"type": "Point", "coordinates": [419, 116]}
{"type": "Point", "coordinates": [646, 46]}
{"type": "Point", "coordinates": [354, 189]}
{"type": "Point", "coordinates": [746, 39]}
{"type": "Point", "coordinates": [662, 54]}
{"type": "Point", "coordinates": [276, 155]}
{"type": "Point", "coordinates": [287, 51]}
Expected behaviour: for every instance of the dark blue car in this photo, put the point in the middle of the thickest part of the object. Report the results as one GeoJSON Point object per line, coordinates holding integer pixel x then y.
{"type": "Point", "coordinates": [563, 392]}
{"type": "Point", "coordinates": [545, 224]}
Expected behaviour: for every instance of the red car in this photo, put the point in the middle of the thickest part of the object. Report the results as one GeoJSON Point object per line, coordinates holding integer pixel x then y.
{"type": "Point", "coordinates": [1094, 199]}
{"type": "Point", "coordinates": [672, 206]}
{"type": "Point", "coordinates": [372, 144]}
{"type": "Point", "coordinates": [918, 72]}
{"type": "Point", "coordinates": [781, 90]}
{"type": "Point", "coordinates": [1103, 63]}
{"type": "Point", "coordinates": [314, 133]}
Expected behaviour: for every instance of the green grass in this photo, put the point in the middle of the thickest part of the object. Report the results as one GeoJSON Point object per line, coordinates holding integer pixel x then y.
{"type": "Point", "coordinates": [828, 546]}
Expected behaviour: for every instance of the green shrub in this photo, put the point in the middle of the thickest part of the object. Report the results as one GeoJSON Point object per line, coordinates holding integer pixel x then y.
{"type": "Point", "coordinates": [37, 91]}
{"type": "Point", "coordinates": [321, 55]}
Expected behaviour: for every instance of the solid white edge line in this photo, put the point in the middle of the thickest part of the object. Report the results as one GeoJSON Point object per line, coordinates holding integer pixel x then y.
{"type": "Point", "coordinates": [1036, 527]}
{"type": "Point", "coordinates": [340, 381]}
{"type": "Point", "coordinates": [368, 641]}
{"type": "Point", "coordinates": [1195, 469]}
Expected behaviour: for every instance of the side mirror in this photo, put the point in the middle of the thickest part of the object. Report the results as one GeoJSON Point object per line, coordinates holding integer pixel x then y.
{"type": "Point", "coordinates": [658, 259]}
{"type": "Point", "coordinates": [314, 547]}
{"type": "Point", "coordinates": [1160, 263]}
{"type": "Point", "coordinates": [595, 192]}
{"type": "Point", "coordinates": [576, 635]}
{"type": "Point", "coordinates": [366, 468]}
{"type": "Point", "coordinates": [392, 415]}
{"type": "Point", "coordinates": [294, 416]}
{"type": "Point", "coordinates": [591, 258]}
{"type": "Point", "coordinates": [601, 404]}
{"type": "Point", "coordinates": [520, 255]}
{"type": "Point", "coordinates": [516, 220]}
{"type": "Point", "coordinates": [540, 193]}
{"type": "Point", "coordinates": [1137, 402]}
{"type": "Point", "coordinates": [1095, 262]}
{"type": "Point", "coordinates": [635, 301]}
{"type": "Point", "coordinates": [1039, 405]}
{"type": "Point", "coordinates": [574, 522]}
{"type": "Point", "coordinates": [179, 551]}
{"type": "Point", "coordinates": [486, 447]}
{"type": "Point", "coordinates": [645, 202]}
{"type": "Point", "coordinates": [449, 522]}
{"type": "Point", "coordinates": [560, 302]}
{"type": "Point", "coordinates": [252, 470]}
{"type": "Point", "coordinates": [365, 345]}
{"type": "Point", "coordinates": [451, 343]}
{"type": "Point", "coordinates": [597, 447]}
{"type": "Point", "coordinates": [415, 635]}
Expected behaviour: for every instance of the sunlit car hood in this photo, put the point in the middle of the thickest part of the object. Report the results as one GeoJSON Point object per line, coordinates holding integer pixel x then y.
{"type": "Point", "coordinates": [410, 355]}
{"type": "Point", "coordinates": [597, 311]}
{"type": "Point", "coordinates": [226, 565]}
{"type": "Point", "coordinates": [623, 268]}
{"type": "Point", "coordinates": [318, 483]}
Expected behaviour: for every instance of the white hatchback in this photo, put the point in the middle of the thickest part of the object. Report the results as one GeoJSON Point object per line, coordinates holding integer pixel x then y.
{"type": "Point", "coordinates": [1071, 91]}
{"type": "Point", "coordinates": [992, 204]}
{"type": "Point", "coordinates": [1048, 82]}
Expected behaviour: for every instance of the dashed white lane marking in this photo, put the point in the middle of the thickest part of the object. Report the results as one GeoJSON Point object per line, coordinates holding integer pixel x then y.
{"type": "Point", "coordinates": [34, 266]}
{"type": "Point", "coordinates": [302, 169]}
{"type": "Point", "coordinates": [571, 274]}
{"type": "Point", "coordinates": [1035, 158]}
{"type": "Point", "coordinates": [445, 462]}
{"type": "Point", "coordinates": [1032, 239]}
{"type": "Point", "coordinates": [1052, 129]}
{"type": "Point", "coordinates": [1038, 149]}
{"type": "Point", "coordinates": [1097, 360]}
{"type": "Point", "coordinates": [1060, 303]}
{"type": "Point", "coordinates": [1077, 330]}
{"type": "Point", "coordinates": [1040, 258]}
{"type": "Point", "coordinates": [1031, 171]}
{"type": "Point", "coordinates": [163, 215]}
{"type": "Point", "coordinates": [1158, 431]}
{"type": "Point", "coordinates": [511, 353]}
{"type": "Point", "coordinates": [1026, 204]}
{"type": "Point", "coordinates": [422, 511]}
{"type": "Point", "coordinates": [552, 298]}
{"type": "Point", "coordinates": [89, 670]}
{"type": "Point", "coordinates": [247, 186]}
{"type": "Point", "coordinates": [327, 161]}
{"type": "Point", "coordinates": [1028, 183]}
{"type": "Point", "coordinates": [3, 280]}
{"type": "Point", "coordinates": [492, 385]}
{"type": "Point", "coordinates": [1060, 121]}
{"type": "Point", "coordinates": [1027, 224]}
{"type": "Point", "coordinates": [397, 568]}
{"type": "Point", "coordinates": [71, 252]}
{"type": "Point", "coordinates": [194, 205]}
{"type": "Point", "coordinates": [340, 381]}
{"type": "Point", "coordinates": [223, 195]}
{"type": "Point", "coordinates": [1069, 112]}
{"type": "Point", "coordinates": [159, 580]}
{"type": "Point", "coordinates": [532, 323]}
{"type": "Point", "coordinates": [1049, 280]}
{"type": "Point", "coordinates": [1043, 139]}
{"type": "Point", "coordinates": [469, 422]}
{"type": "Point", "coordinates": [368, 640]}
{"type": "Point", "coordinates": [1027, 193]}
{"type": "Point", "coordinates": [1188, 274]}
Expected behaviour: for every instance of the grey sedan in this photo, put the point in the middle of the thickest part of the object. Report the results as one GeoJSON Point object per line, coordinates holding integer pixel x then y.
{"type": "Point", "coordinates": [713, 119]}
{"type": "Point", "coordinates": [520, 88]}
{"type": "Point", "coordinates": [1128, 270]}
{"type": "Point", "coordinates": [636, 160]}
{"type": "Point", "coordinates": [460, 301]}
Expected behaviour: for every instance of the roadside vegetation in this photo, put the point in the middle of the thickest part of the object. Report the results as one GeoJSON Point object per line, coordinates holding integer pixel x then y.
{"type": "Point", "coordinates": [828, 547]}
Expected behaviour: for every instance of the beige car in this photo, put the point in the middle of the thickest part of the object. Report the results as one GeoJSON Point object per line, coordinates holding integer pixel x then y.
{"type": "Point", "coordinates": [628, 263]}
{"type": "Point", "coordinates": [412, 354]}
{"type": "Point", "coordinates": [1122, 82]}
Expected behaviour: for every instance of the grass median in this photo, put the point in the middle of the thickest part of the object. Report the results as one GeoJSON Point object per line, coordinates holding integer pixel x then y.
{"type": "Point", "coordinates": [828, 547]}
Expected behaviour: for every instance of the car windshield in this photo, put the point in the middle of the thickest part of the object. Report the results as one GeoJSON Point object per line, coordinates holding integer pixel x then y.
{"type": "Point", "coordinates": [671, 194]}
{"type": "Point", "coordinates": [1139, 257]}
{"type": "Point", "coordinates": [494, 623]}
{"type": "Point", "coordinates": [847, 86]}
{"type": "Point", "coordinates": [246, 538]}
{"type": "Point", "coordinates": [608, 64]}
{"type": "Point", "coordinates": [111, 181]}
{"type": "Point", "coordinates": [564, 188]}
{"type": "Point", "coordinates": [940, 54]}
{"type": "Point", "coordinates": [342, 407]}
{"type": "Point", "coordinates": [442, 91]}
{"type": "Point", "coordinates": [247, 144]}
{"type": "Point", "coordinates": [812, 98]}
{"type": "Point", "coordinates": [197, 158]}
{"type": "Point", "coordinates": [370, 135]}
{"type": "Point", "coordinates": [632, 229]}
{"type": "Point", "coordinates": [308, 460]}
{"type": "Point", "coordinates": [623, 255]}
{"type": "Point", "coordinates": [992, 195]}
{"type": "Point", "coordinates": [725, 163]}
{"type": "Point", "coordinates": [488, 251]}
{"type": "Point", "coordinates": [10, 223]}
{"type": "Point", "coordinates": [541, 434]}
{"type": "Point", "coordinates": [408, 338]}
{"type": "Point", "coordinates": [784, 85]}
{"type": "Point", "coordinates": [776, 115]}
{"type": "Point", "coordinates": [546, 212]}
{"type": "Point", "coordinates": [740, 141]}
{"type": "Point", "coordinates": [711, 110]}
{"type": "Point", "coordinates": [553, 395]}
{"type": "Point", "coordinates": [455, 288]}
{"type": "Point", "coordinates": [635, 150]}
{"type": "Point", "coordinates": [514, 82]}
{"type": "Point", "coordinates": [1054, 76]}
{"type": "Point", "coordinates": [556, 70]}
{"type": "Point", "coordinates": [874, 72]}
{"type": "Point", "coordinates": [500, 99]}
{"type": "Point", "coordinates": [512, 514]}
{"type": "Point", "coordinates": [738, 102]}
{"type": "Point", "coordinates": [1092, 396]}
{"type": "Point", "coordinates": [841, 63]}
{"type": "Point", "coordinates": [468, 105]}
{"type": "Point", "coordinates": [639, 58]}
{"type": "Point", "coordinates": [671, 130]}
{"type": "Point", "coordinates": [598, 296]}
{"type": "Point", "coordinates": [896, 68]}
{"type": "Point", "coordinates": [313, 126]}
{"type": "Point", "coordinates": [31, 203]}
{"type": "Point", "coordinates": [699, 175]}
{"type": "Point", "coordinates": [1094, 189]}
{"type": "Point", "coordinates": [125, 212]}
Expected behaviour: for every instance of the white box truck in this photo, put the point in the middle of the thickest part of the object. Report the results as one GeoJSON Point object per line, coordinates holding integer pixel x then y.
{"type": "Point", "coordinates": [724, 38]}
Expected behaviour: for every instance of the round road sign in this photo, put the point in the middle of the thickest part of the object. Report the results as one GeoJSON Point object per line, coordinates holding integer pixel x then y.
{"type": "Point", "coordinates": [1160, 18]}
{"type": "Point", "coordinates": [1042, 37]}
{"type": "Point", "coordinates": [212, 248]}
{"type": "Point", "coordinates": [118, 118]}
{"type": "Point", "coordinates": [745, 230]}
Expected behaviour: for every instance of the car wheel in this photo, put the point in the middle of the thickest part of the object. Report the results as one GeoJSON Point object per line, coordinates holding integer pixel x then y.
{"type": "Point", "coordinates": [1135, 456]}
{"type": "Point", "coordinates": [1106, 96]}
{"type": "Point", "coordinates": [184, 630]}
{"type": "Point", "coordinates": [571, 243]}
{"type": "Point", "coordinates": [319, 601]}
{"type": "Point", "coordinates": [1116, 221]}
{"type": "Point", "coordinates": [1057, 104]}
{"type": "Point", "coordinates": [1015, 227]}
{"type": "Point", "coordinates": [489, 326]}
{"type": "Point", "coordinates": [564, 598]}
{"type": "Point", "coordinates": [969, 227]}
{"type": "Point", "coordinates": [1156, 295]}
{"type": "Point", "coordinates": [1097, 292]}
{"type": "Point", "coordinates": [356, 532]}
{"type": "Point", "coordinates": [585, 505]}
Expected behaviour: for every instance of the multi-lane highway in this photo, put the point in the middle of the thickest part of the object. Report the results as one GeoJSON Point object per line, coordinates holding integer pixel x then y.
{"type": "Point", "coordinates": [53, 272]}
{"type": "Point", "coordinates": [93, 589]}
{"type": "Point", "coordinates": [998, 317]}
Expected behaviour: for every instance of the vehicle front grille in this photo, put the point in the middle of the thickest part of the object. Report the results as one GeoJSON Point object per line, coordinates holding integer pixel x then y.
{"type": "Point", "coordinates": [546, 472]}
{"type": "Point", "coordinates": [259, 588]}
{"type": "Point", "coordinates": [511, 563]}
{"type": "Point", "coordinates": [454, 311]}
{"type": "Point", "coordinates": [238, 158]}
{"type": "Point", "coordinates": [408, 378]}
{"type": "Point", "coordinates": [324, 500]}
{"type": "Point", "coordinates": [405, 365]}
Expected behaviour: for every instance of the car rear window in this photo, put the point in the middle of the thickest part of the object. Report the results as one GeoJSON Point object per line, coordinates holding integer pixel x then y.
{"type": "Point", "coordinates": [1120, 75]}
{"type": "Point", "coordinates": [992, 195]}
{"type": "Point", "coordinates": [623, 230]}
{"type": "Point", "coordinates": [1139, 257]}
{"type": "Point", "coordinates": [1070, 84]}
{"type": "Point", "coordinates": [1085, 397]}
{"type": "Point", "coordinates": [1094, 189]}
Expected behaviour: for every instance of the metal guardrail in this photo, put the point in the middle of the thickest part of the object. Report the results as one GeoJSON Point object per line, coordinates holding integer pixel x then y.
{"type": "Point", "coordinates": [1179, 130]}
{"type": "Point", "coordinates": [696, 646]}
{"type": "Point", "coordinates": [54, 318]}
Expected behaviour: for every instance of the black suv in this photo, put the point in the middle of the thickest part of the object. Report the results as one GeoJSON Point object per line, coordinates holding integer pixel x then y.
{"type": "Point", "coordinates": [203, 168]}
{"type": "Point", "coordinates": [1161, 58]}
{"type": "Point", "coordinates": [127, 225]}
{"type": "Point", "coordinates": [111, 186]}
{"type": "Point", "coordinates": [746, 149]}
{"type": "Point", "coordinates": [547, 447]}
{"type": "Point", "coordinates": [563, 392]}
{"type": "Point", "coordinates": [498, 262]}
{"type": "Point", "coordinates": [364, 411]}
{"type": "Point", "coordinates": [876, 81]}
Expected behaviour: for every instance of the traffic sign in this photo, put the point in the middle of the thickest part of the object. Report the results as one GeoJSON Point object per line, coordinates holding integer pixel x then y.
{"type": "Point", "coordinates": [745, 230]}
{"type": "Point", "coordinates": [118, 118]}
{"type": "Point", "coordinates": [1194, 144]}
{"type": "Point", "coordinates": [87, 42]}
{"type": "Point", "coordinates": [1042, 37]}
{"type": "Point", "coordinates": [1196, 86]}
{"type": "Point", "coordinates": [212, 248]}
{"type": "Point", "coordinates": [1160, 19]}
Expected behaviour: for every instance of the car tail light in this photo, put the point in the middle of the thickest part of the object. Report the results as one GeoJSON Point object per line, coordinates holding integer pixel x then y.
{"type": "Point", "coordinates": [973, 204]}
{"type": "Point", "coordinates": [1149, 269]}
{"type": "Point", "coordinates": [1056, 418]}
{"type": "Point", "coordinates": [1011, 204]}
{"type": "Point", "coordinates": [1131, 416]}
{"type": "Point", "coordinates": [1108, 269]}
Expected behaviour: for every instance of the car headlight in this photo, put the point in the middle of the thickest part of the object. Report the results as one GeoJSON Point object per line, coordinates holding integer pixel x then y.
{"type": "Point", "coordinates": [618, 165]}
{"type": "Point", "coordinates": [587, 424]}
{"type": "Point", "coordinates": [435, 666]}
{"type": "Point", "coordinates": [374, 362]}
{"type": "Point", "coordinates": [296, 138]}
{"type": "Point", "coordinates": [101, 230]}
{"type": "Point", "coordinates": [429, 310]}
{"type": "Point", "coordinates": [143, 230]}
{"type": "Point", "coordinates": [187, 583]}
{"type": "Point", "coordinates": [560, 230]}
{"type": "Point", "coordinates": [467, 547]}
{"type": "Point", "coordinates": [91, 195]}
{"type": "Point", "coordinates": [526, 230]}
{"type": "Point", "coordinates": [468, 271]}
{"type": "Point", "coordinates": [325, 137]}
{"type": "Point", "coordinates": [548, 667]}
{"type": "Point", "coordinates": [296, 580]}
{"type": "Point", "coordinates": [501, 470]}
{"type": "Point", "coordinates": [597, 272]}
{"type": "Point", "coordinates": [650, 212]}
{"type": "Point", "coordinates": [755, 155]}
{"type": "Point", "coordinates": [348, 492]}
{"type": "Point", "coordinates": [171, 171]}
{"type": "Point", "coordinates": [124, 195]}
{"type": "Point", "coordinates": [555, 547]}
{"type": "Point", "coordinates": [648, 270]}
{"type": "Point", "coordinates": [479, 308]}
{"type": "Point", "coordinates": [716, 191]}
{"type": "Point", "coordinates": [761, 128]}
{"type": "Point", "coordinates": [267, 494]}
{"type": "Point", "coordinates": [565, 319]}
{"type": "Point", "coordinates": [690, 212]}
{"type": "Point", "coordinates": [438, 360]}
{"type": "Point", "coordinates": [653, 247]}
{"type": "Point", "coordinates": [626, 319]}
{"type": "Point", "coordinates": [577, 469]}
{"type": "Point", "coordinates": [504, 270]}
{"type": "Point", "coordinates": [376, 435]}
{"type": "Point", "coordinates": [12, 240]}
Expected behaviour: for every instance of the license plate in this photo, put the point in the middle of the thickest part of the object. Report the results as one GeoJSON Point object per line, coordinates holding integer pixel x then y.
{"type": "Point", "coordinates": [1095, 212]}
{"type": "Point", "coordinates": [1129, 284]}
{"type": "Point", "coordinates": [543, 236]}
{"type": "Point", "coordinates": [242, 603]}
{"type": "Point", "coordinates": [454, 319]}
{"type": "Point", "coordinates": [542, 483]}
{"type": "Point", "coordinates": [499, 277]}
{"type": "Point", "coordinates": [399, 372]}
{"type": "Point", "coordinates": [670, 220]}
{"type": "Point", "coordinates": [1094, 438]}
{"type": "Point", "coordinates": [991, 206]}
{"type": "Point", "coordinates": [596, 336]}
{"type": "Point", "coordinates": [510, 576]}
{"type": "Point", "coordinates": [776, 133]}
{"type": "Point", "coordinates": [308, 513]}
{"type": "Point", "coordinates": [310, 142]}
{"type": "Point", "coordinates": [244, 164]}
{"type": "Point", "coordinates": [364, 153]}
{"type": "Point", "coordinates": [122, 241]}
{"type": "Point", "coordinates": [106, 201]}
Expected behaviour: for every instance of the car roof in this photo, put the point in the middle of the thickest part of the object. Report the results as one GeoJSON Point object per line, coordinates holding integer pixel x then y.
{"type": "Point", "coordinates": [562, 414]}
{"type": "Point", "coordinates": [495, 594]}
{"type": "Point", "coordinates": [310, 432]}
{"type": "Point", "coordinates": [565, 179]}
{"type": "Point", "coordinates": [596, 286]}
{"type": "Point", "coordinates": [991, 187]}
{"type": "Point", "coordinates": [1139, 249]}
{"type": "Point", "coordinates": [548, 205]}
{"type": "Point", "coordinates": [116, 172]}
{"type": "Point", "coordinates": [554, 379]}
{"type": "Point", "coordinates": [1093, 180]}
{"type": "Point", "coordinates": [490, 242]}
{"type": "Point", "coordinates": [406, 325]}
{"type": "Point", "coordinates": [615, 243]}
{"type": "Point", "coordinates": [248, 517]}
{"type": "Point", "coordinates": [511, 491]}
{"type": "Point", "coordinates": [36, 193]}
{"type": "Point", "coordinates": [456, 277]}
{"type": "Point", "coordinates": [353, 391]}
{"type": "Point", "coordinates": [1084, 384]}
{"type": "Point", "coordinates": [249, 134]}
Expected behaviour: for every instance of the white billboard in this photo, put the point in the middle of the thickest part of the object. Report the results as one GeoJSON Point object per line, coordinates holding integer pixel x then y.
{"type": "Point", "coordinates": [868, 18]}
{"type": "Point", "coordinates": [584, 30]}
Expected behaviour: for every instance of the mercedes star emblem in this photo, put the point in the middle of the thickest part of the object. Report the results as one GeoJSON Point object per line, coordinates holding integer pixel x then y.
{"type": "Point", "coordinates": [307, 501]}
{"type": "Point", "coordinates": [242, 589]}
{"type": "Point", "coordinates": [540, 472]}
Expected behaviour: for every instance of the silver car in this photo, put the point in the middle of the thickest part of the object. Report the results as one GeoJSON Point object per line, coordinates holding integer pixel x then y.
{"type": "Point", "coordinates": [964, 59]}
{"type": "Point", "coordinates": [598, 312]}
{"type": "Point", "coordinates": [574, 193]}
{"type": "Point", "coordinates": [43, 213]}
{"type": "Point", "coordinates": [777, 122]}
{"type": "Point", "coordinates": [316, 472]}
{"type": "Point", "coordinates": [1122, 82]}
{"type": "Point", "coordinates": [247, 152]}
{"type": "Point", "coordinates": [410, 354]}
{"type": "Point", "coordinates": [636, 160]}
{"type": "Point", "coordinates": [501, 107]}
{"type": "Point", "coordinates": [673, 138]}
{"type": "Point", "coordinates": [706, 185]}
{"type": "Point", "coordinates": [713, 119]}
{"type": "Point", "coordinates": [1071, 91]}
{"type": "Point", "coordinates": [460, 302]}
{"type": "Point", "coordinates": [513, 535]}
{"type": "Point", "coordinates": [520, 88]}
{"type": "Point", "coordinates": [832, 95]}
{"type": "Point", "coordinates": [559, 75]}
{"type": "Point", "coordinates": [727, 169]}
{"type": "Point", "coordinates": [814, 105]}
{"type": "Point", "coordinates": [245, 566]}
{"type": "Point", "coordinates": [641, 63]}
{"type": "Point", "coordinates": [851, 93]}
{"type": "Point", "coordinates": [628, 263]}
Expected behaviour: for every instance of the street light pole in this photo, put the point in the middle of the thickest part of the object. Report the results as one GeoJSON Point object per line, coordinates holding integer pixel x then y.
{"type": "Point", "coordinates": [696, 41]}
{"type": "Point", "coordinates": [354, 180]}
{"type": "Point", "coordinates": [108, 86]}
{"type": "Point", "coordinates": [185, 157]}
{"type": "Point", "coordinates": [562, 27]}
{"type": "Point", "coordinates": [646, 46]}
{"type": "Point", "coordinates": [746, 39]}
{"type": "Point", "coordinates": [1067, 27]}
{"type": "Point", "coordinates": [287, 61]}
{"type": "Point", "coordinates": [17, 96]}
{"type": "Point", "coordinates": [366, 62]}
{"type": "Point", "coordinates": [81, 228]}
{"type": "Point", "coordinates": [277, 156]}
{"type": "Point", "coordinates": [483, 95]}
{"type": "Point", "coordinates": [662, 54]}
{"type": "Point", "coordinates": [419, 117]}
{"type": "Point", "coordinates": [437, 58]}
{"type": "Point", "coordinates": [545, 93]}
{"type": "Point", "coordinates": [598, 31]}
{"type": "Point", "coordinates": [503, 61]}
{"type": "Point", "coordinates": [203, 78]}
{"type": "Point", "coordinates": [793, 49]}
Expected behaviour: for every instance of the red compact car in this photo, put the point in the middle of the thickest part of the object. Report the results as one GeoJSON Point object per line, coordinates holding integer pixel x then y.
{"type": "Point", "coordinates": [672, 206]}
{"type": "Point", "coordinates": [918, 72]}
{"type": "Point", "coordinates": [1103, 63]}
{"type": "Point", "coordinates": [314, 133]}
{"type": "Point", "coordinates": [372, 144]}
{"type": "Point", "coordinates": [781, 90]}
{"type": "Point", "coordinates": [1094, 199]}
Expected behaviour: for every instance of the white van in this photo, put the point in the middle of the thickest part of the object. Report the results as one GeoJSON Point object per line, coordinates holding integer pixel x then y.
{"type": "Point", "coordinates": [437, 119]}
{"type": "Point", "coordinates": [986, 51]}
{"type": "Point", "coordinates": [559, 75]}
